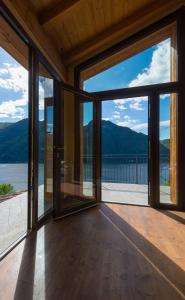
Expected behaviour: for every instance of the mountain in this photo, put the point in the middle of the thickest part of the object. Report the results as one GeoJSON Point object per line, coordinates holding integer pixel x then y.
{"type": "Point", "coordinates": [166, 143]}
{"type": "Point", "coordinates": [119, 140]}
{"type": "Point", "coordinates": [14, 142]}
{"type": "Point", "coordinates": [4, 125]}
{"type": "Point", "coordinates": [116, 140]}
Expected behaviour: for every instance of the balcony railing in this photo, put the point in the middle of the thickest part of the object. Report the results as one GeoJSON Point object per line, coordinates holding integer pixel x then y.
{"type": "Point", "coordinates": [126, 169]}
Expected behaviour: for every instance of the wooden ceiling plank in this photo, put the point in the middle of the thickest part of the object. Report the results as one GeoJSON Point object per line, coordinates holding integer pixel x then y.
{"type": "Point", "coordinates": [23, 13]}
{"type": "Point", "coordinates": [128, 26]}
{"type": "Point", "coordinates": [61, 9]}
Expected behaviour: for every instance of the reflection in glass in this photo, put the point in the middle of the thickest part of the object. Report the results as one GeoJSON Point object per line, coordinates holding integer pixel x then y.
{"type": "Point", "coordinates": [87, 158]}
{"type": "Point", "coordinates": [168, 148]}
{"type": "Point", "coordinates": [76, 175]}
{"type": "Point", "coordinates": [45, 152]}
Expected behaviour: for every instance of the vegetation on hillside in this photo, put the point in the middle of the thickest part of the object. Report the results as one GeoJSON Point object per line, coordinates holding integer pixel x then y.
{"type": "Point", "coordinates": [6, 188]}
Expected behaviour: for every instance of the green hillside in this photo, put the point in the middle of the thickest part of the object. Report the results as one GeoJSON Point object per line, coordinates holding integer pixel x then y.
{"type": "Point", "coordinates": [14, 142]}
{"type": "Point", "coordinates": [119, 140]}
{"type": "Point", "coordinates": [116, 140]}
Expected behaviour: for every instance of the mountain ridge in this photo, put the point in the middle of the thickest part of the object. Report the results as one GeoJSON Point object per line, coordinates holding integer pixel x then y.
{"type": "Point", "coordinates": [115, 140]}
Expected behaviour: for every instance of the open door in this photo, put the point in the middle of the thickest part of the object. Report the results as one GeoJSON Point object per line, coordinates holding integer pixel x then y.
{"type": "Point", "coordinates": [75, 150]}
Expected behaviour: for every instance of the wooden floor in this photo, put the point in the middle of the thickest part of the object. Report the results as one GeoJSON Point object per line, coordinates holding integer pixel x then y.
{"type": "Point", "coordinates": [107, 253]}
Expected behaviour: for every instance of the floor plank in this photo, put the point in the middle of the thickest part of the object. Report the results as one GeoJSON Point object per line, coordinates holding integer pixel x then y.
{"type": "Point", "coordinates": [111, 252]}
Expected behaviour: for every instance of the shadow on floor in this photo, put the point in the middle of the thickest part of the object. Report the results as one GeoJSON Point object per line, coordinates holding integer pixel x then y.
{"type": "Point", "coordinates": [95, 255]}
{"type": "Point", "coordinates": [175, 215]}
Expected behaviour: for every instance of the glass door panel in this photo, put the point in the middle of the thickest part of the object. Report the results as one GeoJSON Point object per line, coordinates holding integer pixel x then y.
{"type": "Point", "coordinates": [48, 185]}
{"type": "Point", "coordinates": [45, 142]}
{"type": "Point", "coordinates": [168, 148]}
{"type": "Point", "coordinates": [86, 148]}
{"type": "Point", "coordinates": [74, 152]}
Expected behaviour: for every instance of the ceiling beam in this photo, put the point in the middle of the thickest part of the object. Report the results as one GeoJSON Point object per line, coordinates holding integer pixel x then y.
{"type": "Point", "coordinates": [28, 20]}
{"type": "Point", "coordinates": [127, 27]}
{"type": "Point", "coordinates": [61, 9]}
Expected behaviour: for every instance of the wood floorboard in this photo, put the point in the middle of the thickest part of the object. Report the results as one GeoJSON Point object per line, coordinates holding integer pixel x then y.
{"type": "Point", "coordinates": [114, 252]}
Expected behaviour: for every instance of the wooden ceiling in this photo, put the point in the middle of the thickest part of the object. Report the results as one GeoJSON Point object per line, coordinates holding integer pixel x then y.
{"type": "Point", "coordinates": [71, 31]}
{"type": "Point", "coordinates": [84, 20]}
{"type": "Point", "coordinates": [76, 27]}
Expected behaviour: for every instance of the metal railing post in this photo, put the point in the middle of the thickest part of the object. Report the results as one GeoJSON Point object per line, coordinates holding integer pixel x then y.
{"type": "Point", "coordinates": [136, 169]}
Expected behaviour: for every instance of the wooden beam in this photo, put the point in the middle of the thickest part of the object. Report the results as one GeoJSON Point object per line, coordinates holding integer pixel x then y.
{"type": "Point", "coordinates": [12, 43]}
{"type": "Point", "coordinates": [28, 20]}
{"type": "Point", "coordinates": [127, 27]}
{"type": "Point", "coordinates": [125, 53]}
{"type": "Point", "coordinates": [61, 9]}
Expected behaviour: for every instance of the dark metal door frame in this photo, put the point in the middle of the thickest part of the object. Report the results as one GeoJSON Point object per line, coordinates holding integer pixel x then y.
{"type": "Point", "coordinates": [80, 97]}
{"type": "Point", "coordinates": [152, 92]}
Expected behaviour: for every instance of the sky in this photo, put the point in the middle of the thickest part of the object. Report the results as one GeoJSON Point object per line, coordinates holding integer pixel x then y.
{"type": "Point", "coordinates": [14, 90]}
{"type": "Point", "coordinates": [148, 67]}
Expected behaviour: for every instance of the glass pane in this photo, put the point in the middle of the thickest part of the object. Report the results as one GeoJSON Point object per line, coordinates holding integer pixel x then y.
{"type": "Point", "coordinates": [76, 168]}
{"type": "Point", "coordinates": [45, 154]}
{"type": "Point", "coordinates": [87, 157]}
{"type": "Point", "coordinates": [155, 63]}
{"type": "Point", "coordinates": [124, 131]}
{"type": "Point", "coordinates": [13, 136]}
{"type": "Point", "coordinates": [49, 155]}
{"type": "Point", "coordinates": [168, 148]}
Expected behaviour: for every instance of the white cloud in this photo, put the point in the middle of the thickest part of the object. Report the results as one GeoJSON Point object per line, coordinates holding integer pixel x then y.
{"type": "Point", "coordinates": [106, 119]}
{"type": "Point", "coordinates": [159, 68]}
{"type": "Point", "coordinates": [129, 122]}
{"type": "Point", "coordinates": [157, 72]}
{"type": "Point", "coordinates": [133, 103]}
{"type": "Point", "coordinates": [121, 107]}
{"type": "Point", "coordinates": [117, 112]}
{"type": "Point", "coordinates": [12, 109]}
{"type": "Point", "coordinates": [141, 126]}
{"type": "Point", "coordinates": [165, 123]}
{"type": "Point", "coordinates": [116, 115]}
{"type": "Point", "coordinates": [14, 78]}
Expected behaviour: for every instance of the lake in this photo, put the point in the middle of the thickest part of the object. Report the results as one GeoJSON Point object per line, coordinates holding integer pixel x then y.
{"type": "Point", "coordinates": [16, 174]}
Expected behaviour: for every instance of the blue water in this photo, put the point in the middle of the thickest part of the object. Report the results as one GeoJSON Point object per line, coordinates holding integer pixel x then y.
{"type": "Point", "coordinates": [17, 174]}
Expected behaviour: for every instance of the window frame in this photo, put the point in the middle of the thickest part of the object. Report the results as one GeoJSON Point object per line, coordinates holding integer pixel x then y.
{"type": "Point", "coordinates": [153, 92]}
{"type": "Point", "coordinates": [35, 56]}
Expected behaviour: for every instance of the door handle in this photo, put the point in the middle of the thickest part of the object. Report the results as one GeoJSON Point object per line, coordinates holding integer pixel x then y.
{"type": "Point", "coordinates": [58, 148]}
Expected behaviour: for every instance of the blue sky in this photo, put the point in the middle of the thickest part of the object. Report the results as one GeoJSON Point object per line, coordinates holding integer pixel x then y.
{"type": "Point", "coordinates": [148, 67]}
{"type": "Point", "coordinates": [14, 90]}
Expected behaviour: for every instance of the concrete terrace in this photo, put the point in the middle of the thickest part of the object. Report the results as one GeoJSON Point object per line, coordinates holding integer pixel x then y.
{"type": "Point", "coordinates": [13, 221]}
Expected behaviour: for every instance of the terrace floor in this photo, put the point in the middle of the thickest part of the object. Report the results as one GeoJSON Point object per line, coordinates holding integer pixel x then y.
{"type": "Point", "coordinates": [13, 217]}
{"type": "Point", "coordinates": [13, 212]}
{"type": "Point", "coordinates": [136, 194]}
